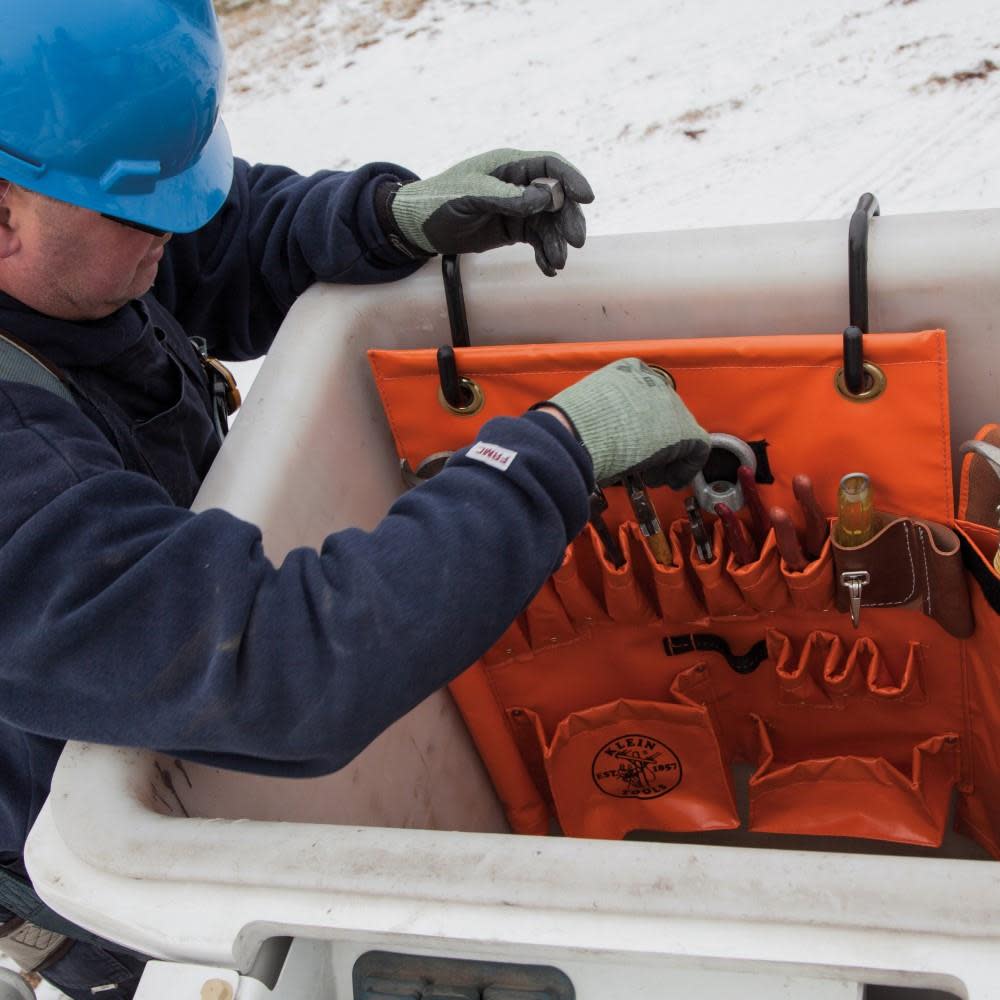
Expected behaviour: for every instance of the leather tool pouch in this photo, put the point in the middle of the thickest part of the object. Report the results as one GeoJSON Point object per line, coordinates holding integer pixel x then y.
{"type": "Point", "coordinates": [911, 564]}
{"type": "Point", "coordinates": [631, 697]}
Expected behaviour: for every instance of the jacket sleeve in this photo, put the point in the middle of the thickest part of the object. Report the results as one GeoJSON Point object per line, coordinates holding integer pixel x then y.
{"type": "Point", "coordinates": [278, 232]}
{"type": "Point", "coordinates": [130, 621]}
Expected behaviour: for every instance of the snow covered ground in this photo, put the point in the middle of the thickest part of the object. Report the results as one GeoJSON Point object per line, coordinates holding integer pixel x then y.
{"type": "Point", "coordinates": [682, 113]}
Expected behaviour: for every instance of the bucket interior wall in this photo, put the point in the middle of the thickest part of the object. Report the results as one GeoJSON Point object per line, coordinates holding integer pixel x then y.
{"type": "Point", "coordinates": [284, 470]}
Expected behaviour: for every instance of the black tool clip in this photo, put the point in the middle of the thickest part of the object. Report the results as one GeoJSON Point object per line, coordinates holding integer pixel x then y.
{"type": "Point", "coordinates": [455, 394]}
{"type": "Point", "coordinates": [857, 273]}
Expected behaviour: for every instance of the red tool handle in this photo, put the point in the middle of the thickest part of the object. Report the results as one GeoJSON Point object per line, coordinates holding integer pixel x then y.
{"type": "Point", "coordinates": [743, 549]}
{"type": "Point", "coordinates": [788, 541]}
{"type": "Point", "coordinates": [816, 524]}
{"type": "Point", "coordinates": [759, 523]}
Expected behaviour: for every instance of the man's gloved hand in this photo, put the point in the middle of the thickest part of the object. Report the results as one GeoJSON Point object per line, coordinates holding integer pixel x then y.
{"type": "Point", "coordinates": [631, 419]}
{"type": "Point", "coordinates": [489, 201]}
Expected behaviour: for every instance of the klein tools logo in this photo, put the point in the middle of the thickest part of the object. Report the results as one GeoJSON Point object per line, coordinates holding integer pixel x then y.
{"type": "Point", "coordinates": [636, 767]}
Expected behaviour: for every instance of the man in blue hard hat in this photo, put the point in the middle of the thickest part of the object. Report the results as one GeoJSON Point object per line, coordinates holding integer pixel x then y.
{"type": "Point", "coordinates": [130, 243]}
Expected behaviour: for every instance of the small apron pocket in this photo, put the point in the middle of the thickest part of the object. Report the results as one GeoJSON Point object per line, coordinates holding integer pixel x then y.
{"type": "Point", "coordinates": [812, 589]}
{"type": "Point", "coordinates": [847, 796]}
{"type": "Point", "coordinates": [639, 765]}
{"type": "Point", "coordinates": [761, 582]}
{"type": "Point", "coordinates": [676, 593]}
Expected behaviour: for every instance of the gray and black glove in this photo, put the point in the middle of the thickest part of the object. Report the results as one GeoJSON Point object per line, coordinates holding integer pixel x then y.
{"type": "Point", "coordinates": [489, 201]}
{"type": "Point", "coordinates": [631, 420]}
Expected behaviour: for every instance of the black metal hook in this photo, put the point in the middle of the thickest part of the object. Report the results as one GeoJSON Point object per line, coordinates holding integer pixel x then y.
{"type": "Point", "coordinates": [451, 385]}
{"type": "Point", "coordinates": [857, 277]}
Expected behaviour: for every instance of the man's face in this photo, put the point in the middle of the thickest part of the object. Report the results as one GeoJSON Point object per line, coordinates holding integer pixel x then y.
{"type": "Point", "coordinates": [70, 262]}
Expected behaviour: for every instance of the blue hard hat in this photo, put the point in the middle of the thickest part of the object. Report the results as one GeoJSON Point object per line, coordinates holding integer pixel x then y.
{"type": "Point", "coordinates": [114, 105]}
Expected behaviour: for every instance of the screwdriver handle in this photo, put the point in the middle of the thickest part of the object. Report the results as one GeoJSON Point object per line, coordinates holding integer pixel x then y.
{"type": "Point", "coordinates": [787, 540]}
{"type": "Point", "coordinates": [660, 548]}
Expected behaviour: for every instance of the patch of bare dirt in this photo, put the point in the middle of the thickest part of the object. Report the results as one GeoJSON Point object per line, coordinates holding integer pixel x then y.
{"type": "Point", "coordinates": [960, 77]}
{"type": "Point", "coordinates": [267, 39]}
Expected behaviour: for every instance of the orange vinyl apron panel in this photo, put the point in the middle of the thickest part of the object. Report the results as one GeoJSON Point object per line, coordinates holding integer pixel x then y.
{"type": "Point", "coordinates": [621, 698]}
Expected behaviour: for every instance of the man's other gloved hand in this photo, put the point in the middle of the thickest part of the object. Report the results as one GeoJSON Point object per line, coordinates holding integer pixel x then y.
{"type": "Point", "coordinates": [631, 419]}
{"type": "Point", "coordinates": [489, 201]}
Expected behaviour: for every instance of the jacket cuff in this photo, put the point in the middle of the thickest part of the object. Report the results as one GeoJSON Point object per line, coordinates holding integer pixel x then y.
{"type": "Point", "coordinates": [385, 194]}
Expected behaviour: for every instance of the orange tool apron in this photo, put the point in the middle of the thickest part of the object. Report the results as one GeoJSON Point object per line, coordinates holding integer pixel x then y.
{"type": "Point", "coordinates": [621, 698]}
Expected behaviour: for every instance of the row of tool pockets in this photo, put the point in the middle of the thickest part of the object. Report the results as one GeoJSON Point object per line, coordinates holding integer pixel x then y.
{"type": "Point", "coordinates": [629, 766]}
{"type": "Point", "coordinates": [825, 672]}
{"type": "Point", "coordinates": [588, 589]}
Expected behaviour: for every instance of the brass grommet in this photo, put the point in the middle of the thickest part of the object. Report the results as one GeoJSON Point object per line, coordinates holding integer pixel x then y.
{"type": "Point", "coordinates": [471, 391]}
{"type": "Point", "coordinates": [671, 381]}
{"type": "Point", "coordinates": [875, 383]}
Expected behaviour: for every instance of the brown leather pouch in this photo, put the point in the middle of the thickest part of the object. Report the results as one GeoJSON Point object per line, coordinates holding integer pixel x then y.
{"type": "Point", "coordinates": [911, 564]}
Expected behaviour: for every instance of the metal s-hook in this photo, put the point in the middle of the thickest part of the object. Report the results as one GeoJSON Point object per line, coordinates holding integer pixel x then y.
{"type": "Point", "coordinates": [460, 395]}
{"type": "Point", "coordinates": [455, 297]}
{"type": "Point", "coordinates": [857, 276]}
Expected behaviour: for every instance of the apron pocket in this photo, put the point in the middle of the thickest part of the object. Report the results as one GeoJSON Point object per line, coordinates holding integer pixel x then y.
{"type": "Point", "coordinates": [846, 796]}
{"type": "Point", "coordinates": [676, 593]}
{"type": "Point", "coordinates": [761, 582]}
{"type": "Point", "coordinates": [512, 645]}
{"type": "Point", "coordinates": [546, 620]}
{"type": "Point", "coordinates": [722, 596]}
{"type": "Point", "coordinates": [799, 680]}
{"type": "Point", "coordinates": [639, 765]}
{"type": "Point", "coordinates": [812, 589]}
{"type": "Point", "coordinates": [578, 580]}
{"type": "Point", "coordinates": [627, 601]}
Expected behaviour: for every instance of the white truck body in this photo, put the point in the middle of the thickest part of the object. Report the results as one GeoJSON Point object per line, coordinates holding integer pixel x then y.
{"type": "Point", "coordinates": [406, 850]}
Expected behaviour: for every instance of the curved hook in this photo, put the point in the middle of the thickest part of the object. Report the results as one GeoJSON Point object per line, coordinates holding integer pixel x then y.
{"type": "Point", "coordinates": [451, 385]}
{"type": "Point", "coordinates": [857, 279]}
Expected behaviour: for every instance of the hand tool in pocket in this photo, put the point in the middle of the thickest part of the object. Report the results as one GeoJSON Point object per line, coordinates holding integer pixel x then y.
{"type": "Point", "coordinates": [816, 525]}
{"type": "Point", "coordinates": [855, 514]}
{"type": "Point", "coordinates": [741, 546]}
{"type": "Point", "coordinates": [983, 448]}
{"type": "Point", "coordinates": [702, 541]}
{"type": "Point", "coordinates": [426, 469]}
{"type": "Point", "coordinates": [787, 540]}
{"type": "Point", "coordinates": [996, 555]}
{"type": "Point", "coordinates": [649, 523]}
{"type": "Point", "coordinates": [982, 490]}
{"type": "Point", "coordinates": [759, 522]}
{"type": "Point", "coordinates": [708, 493]}
{"type": "Point", "coordinates": [612, 550]}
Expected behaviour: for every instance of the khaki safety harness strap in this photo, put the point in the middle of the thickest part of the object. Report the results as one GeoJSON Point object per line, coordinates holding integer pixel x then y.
{"type": "Point", "coordinates": [18, 363]}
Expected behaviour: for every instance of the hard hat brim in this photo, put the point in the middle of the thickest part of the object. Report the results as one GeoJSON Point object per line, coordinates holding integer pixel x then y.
{"type": "Point", "coordinates": [178, 204]}
{"type": "Point", "coordinates": [188, 200]}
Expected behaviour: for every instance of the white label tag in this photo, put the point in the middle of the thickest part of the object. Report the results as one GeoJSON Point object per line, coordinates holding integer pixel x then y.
{"type": "Point", "coordinates": [492, 454]}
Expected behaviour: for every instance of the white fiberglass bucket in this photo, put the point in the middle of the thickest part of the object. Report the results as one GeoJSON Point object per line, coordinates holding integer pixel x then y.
{"type": "Point", "coordinates": [406, 849]}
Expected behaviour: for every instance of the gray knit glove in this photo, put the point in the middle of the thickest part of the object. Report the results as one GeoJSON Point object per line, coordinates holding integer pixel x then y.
{"type": "Point", "coordinates": [631, 420]}
{"type": "Point", "coordinates": [489, 201]}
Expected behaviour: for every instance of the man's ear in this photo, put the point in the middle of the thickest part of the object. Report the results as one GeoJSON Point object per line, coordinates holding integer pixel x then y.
{"type": "Point", "coordinates": [10, 242]}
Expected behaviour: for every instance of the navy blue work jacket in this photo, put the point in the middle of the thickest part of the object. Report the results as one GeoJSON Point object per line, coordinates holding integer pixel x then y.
{"type": "Point", "coordinates": [127, 619]}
